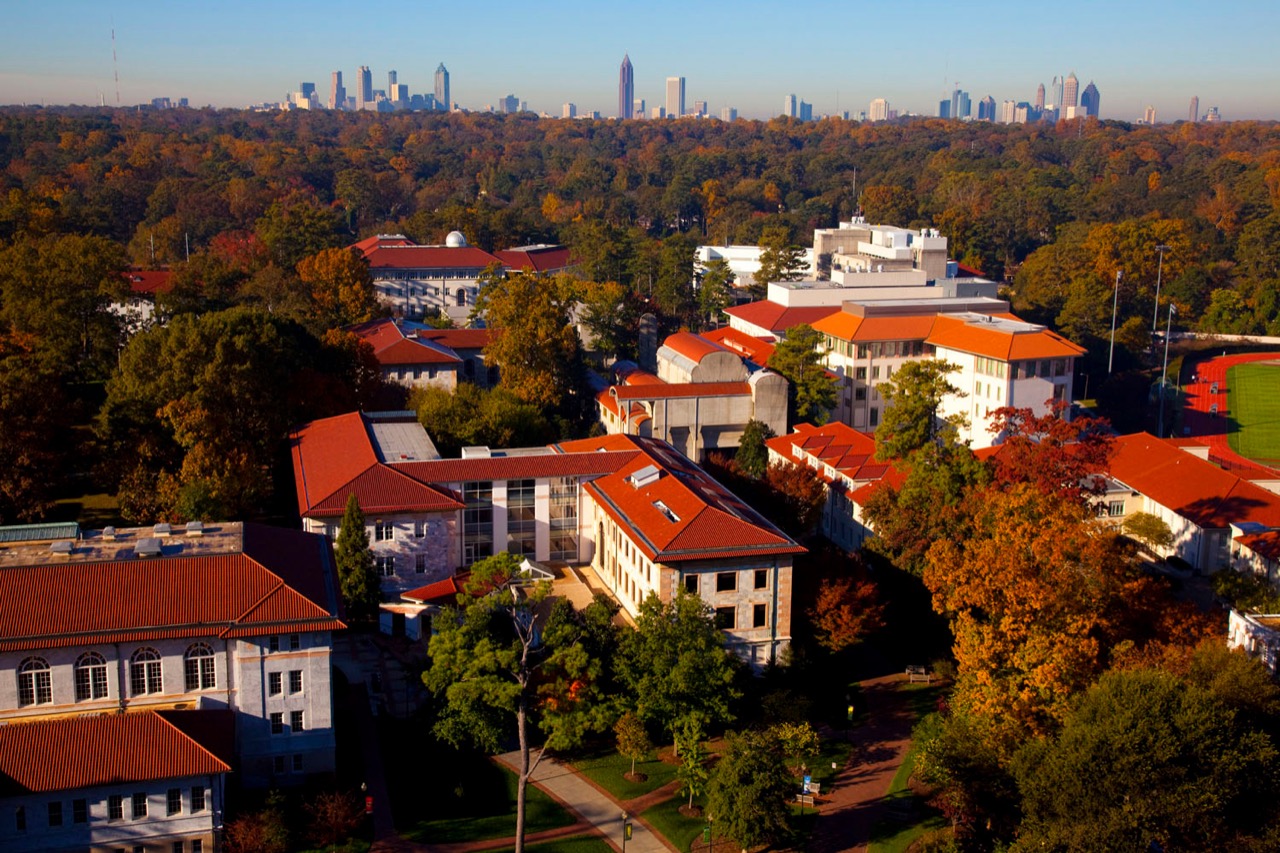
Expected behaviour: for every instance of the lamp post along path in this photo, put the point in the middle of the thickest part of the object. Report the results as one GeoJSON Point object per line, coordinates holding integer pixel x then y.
{"type": "Point", "coordinates": [1155, 312]}
{"type": "Point", "coordinates": [1165, 370]}
{"type": "Point", "coordinates": [1115, 301]}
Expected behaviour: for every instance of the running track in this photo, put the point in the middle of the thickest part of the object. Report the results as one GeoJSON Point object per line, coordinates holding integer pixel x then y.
{"type": "Point", "coordinates": [1196, 420]}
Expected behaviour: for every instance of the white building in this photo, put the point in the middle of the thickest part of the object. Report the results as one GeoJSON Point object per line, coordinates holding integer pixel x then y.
{"type": "Point", "coordinates": [856, 246]}
{"type": "Point", "coordinates": [423, 281]}
{"type": "Point", "coordinates": [744, 261]}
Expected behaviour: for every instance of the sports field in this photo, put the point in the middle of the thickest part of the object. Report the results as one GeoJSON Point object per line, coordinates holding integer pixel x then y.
{"type": "Point", "coordinates": [1254, 430]}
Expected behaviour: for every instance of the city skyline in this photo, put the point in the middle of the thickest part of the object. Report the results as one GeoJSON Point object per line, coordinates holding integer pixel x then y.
{"type": "Point", "coordinates": [1145, 55]}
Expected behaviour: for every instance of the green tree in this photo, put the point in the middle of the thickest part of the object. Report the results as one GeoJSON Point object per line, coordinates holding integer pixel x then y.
{"type": "Point", "coordinates": [632, 739]}
{"type": "Point", "coordinates": [752, 456]}
{"type": "Point", "coordinates": [294, 229]}
{"type": "Point", "coordinates": [675, 664]}
{"type": "Point", "coordinates": [1150, 530]}
{"type": "Point", "coordinates": [496, 665]}
{"type": "Point", "coordinates": [673, 290]}
{"type": "Point", "coordinates": [888, 205]}
{"type": "Point", "coordinates": [361, 589]}
{"type": "Point", "coordinates": [913, 399]}
{"type": "Point", "coordinates": [798, 742]}
{"type": "Point", "coordinates": [471, 416]}
{"type": "Point", "coordinates": [715, 291]}
{"type": "Point", "coordinates": [605, 313]}
{"type": "Point", "coordinates": [1228, 314]}
{"type": "Point", "coordinates": [333, 816]}
{"type": "Point", "coordinates": [749, 790]}
{"type": "Point", "coordinates": [812, 390]}
{"type": "Point", "coordinates": [780, 260]}
{"type": "Point", "coordinates": [34, 440]}
{"type": "Point", "coordinates": [692, 772]}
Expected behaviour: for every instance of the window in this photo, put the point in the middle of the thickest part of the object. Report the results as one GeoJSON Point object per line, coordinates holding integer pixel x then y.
{"type": "Point", "coordinates": [115, 807]}
{"type": "Point", "coordinates": [295, 681]}
{"type": "Point", "coordinates": [522, 526]}
{"type": "Point", "coordinates": [726, 618]}
{"type": "Point", "coordinates": [691, 584]}
{"type": "Point", "coordinates": [462, 297]}
{"type": "Point", "coordinates": [20, 818]}
{"type": "Point", "coordinates": [273, 643]}
{"type": "Point", "coordinates": [384, 532]}
{"type": "Point", "coordinates": [860, 374]}
{"type": "Point", "coordinates": [91, 677]}
{"type": "Point", "coordinates": [277, 723]}
{"type": "Point", "coordinates": [177, 847]}
{"type": "Point", "coordinates": [80, 811]}
{"type": "Point", "coordinates": [385, 565]}
{"type": "Point", "coordinates": [197, 799]}
{"type": "Point", "coordinates": [297, 764]}
{"type": "Point", "coordinates": [197, 845]}
{"type": "Point", "coordinates": [875, 373]}
{"type": "Point", "coordinates": [726, 581]}
{"type": "Point", "coordinates": [295, 721]}
{"type": "Point", "coordinates": [139, 805]}
{"type": "Point", "coordinates": [173, 801]}
{"type": "Point", "coordinates": [275, 681]}
{"type": "Point", "coordinates": [144, 673]}
{"type": "Point", "coordinates": [759, 616]}
{"type": "Point", "coordinates": [863, 350]}
{"type": "Point", "coordinates": [55, 813]}
{"type": "Point", "coordinates": [420, 527]}
{"type": "Point", "coordinates": [477, 521]}
{"type": "Point", "coordinates": [1115, 508]}
{"type": "Point", "coordinates": [35, 686]}
{"type": "Point", "coordinates": [875, 417]}
{"type": "Point", "coordinates": [420, 564]}
{"type": "Point", "coordinates": [762, 579]}
{"type": "Point", "coordinates": [859, 394]}
{"type": "Point", "coordinates": [295, 642]}
{"type": "Point", "coordinates": [197, 668]}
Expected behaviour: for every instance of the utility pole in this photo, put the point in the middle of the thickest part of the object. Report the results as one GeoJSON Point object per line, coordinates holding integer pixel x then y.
{"type": "Point", "coordinates": [1155, 312]}
{"type": "Point", "coordinates": [1163, 373]}
{"type": "Point", "coordinates": [1115, 301]}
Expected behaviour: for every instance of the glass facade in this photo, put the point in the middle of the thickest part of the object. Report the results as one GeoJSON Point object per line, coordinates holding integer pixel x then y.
{"type": "Point", "coordinates": [564, 519]}
{"type": "Point", "coordinates": [522, 526]}
{"type": "Point", "coordinates": [477, 522]}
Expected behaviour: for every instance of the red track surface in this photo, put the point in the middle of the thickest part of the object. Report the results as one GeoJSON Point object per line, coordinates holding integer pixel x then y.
{"type": "Point", "coordinates": [1212, 429]}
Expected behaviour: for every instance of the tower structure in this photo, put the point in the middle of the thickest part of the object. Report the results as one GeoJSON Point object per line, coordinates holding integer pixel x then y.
{"type": "Point", "coordinates": [1193, 114]}
{"type": "Point", "coordinates": [987, 109]}
{"type": "Point", "coordinates": [442, 88]}
{"type": "Point", "coordinates": [879, 110]}
{"type": "Point", "coordinates": [1089, 100]}
{"type": "Point", "coordinates": [364, 87]}
{"type": "Point", "coordinates": [626, 88]}
{"type": "Point", "coordinates": [391, 82]}
{"type": "Point", "coordinates": [1039, 102]}
{"type": "Point", "coordinates": [675, 97]}
{"type": "Point", "coordinates": [1070, 93]}
{"type": "Point", "coordinates": [789, 106]}
{"type": "Point", "coordinates": [337, 92]}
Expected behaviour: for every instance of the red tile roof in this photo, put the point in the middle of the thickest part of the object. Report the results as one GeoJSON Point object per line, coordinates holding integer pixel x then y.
{"type": "Point", "coordinates": [540, 259]}
{"type": "Point", "coordinates": [851, 327]}
{"type": "Point", "coordinates": [754, 349]}
{"type": "Point", "coordinates": [366, 246]}
{"type": "Point", "coordinates": [632, 375]}
{"type": "Point", "coordinates": [964, 333]}
{"type": "Point", "coordinates": [837, 446]}
{"type": "Point", "coordinates": [457, 339]}
{"type": "Point", "coordinates": [778, 318]}
{"type": "Point", "coordinates": [516, 467]}
{"type": "Point", "coordinates": [691, 346]}
{"type": "Point", "coordinates": [429, 258]}
{"type": "Point", "coordinates": [280, 579]}
{"type": "Point", "coordinates": [682, 389]}
{"type": "Point", "coordinates": [1197, 490]}
{"type": "Point", "coordinates": [385, 489]}
{"type": "Point", "coordinates": [440, 592]}
{"type": "Point", "coordinates": [328, 454]}
{"type": "Point", "coordinates": [1266, 545]}
{"type": "Point", "coordinates": [83, 752]}
{"type": "Point", "coordinates": [394, 344]}
{"type": "Point", "coordinates": [148, 282]}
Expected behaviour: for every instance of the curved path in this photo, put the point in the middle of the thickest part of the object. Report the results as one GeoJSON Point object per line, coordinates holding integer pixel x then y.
{"type": "Point", "coordinates": [1199, 396]}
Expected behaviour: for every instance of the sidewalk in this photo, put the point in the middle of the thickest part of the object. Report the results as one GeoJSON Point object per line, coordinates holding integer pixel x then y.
{"type": "Point", "coordinates": [589, 802]}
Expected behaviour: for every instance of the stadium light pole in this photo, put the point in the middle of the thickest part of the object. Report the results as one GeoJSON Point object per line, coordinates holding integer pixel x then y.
{"type": "Point", "coordinates": [1163, 373]}
{"type": "Point", "coordinates": [1115, 300]}
{"type": "Point", "coordinates": [1155, 312]}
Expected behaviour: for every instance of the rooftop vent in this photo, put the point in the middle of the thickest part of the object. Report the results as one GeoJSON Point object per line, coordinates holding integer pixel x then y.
{"type": "Point", "coordinates": [148, 547]}
{"type": "Point", "coordinates": [109, 533]}
{"type": "Point", "coordinates": [163, 529]}
{"type": "Point", "coordinates": [195, 528]}
{"type": "Point", "coordinates": [643, 477]}
{"type": "Point", "coordinates": [62, 548]}
{"type": "Point", "coordinates": [476, 453]}
{"type": "Point", "coordinates": [666, 510]}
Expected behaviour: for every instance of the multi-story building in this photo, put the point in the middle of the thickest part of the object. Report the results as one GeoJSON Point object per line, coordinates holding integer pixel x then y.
{"type": "Point", "coordinates": [423, 281]}
{"type": "Point", "coordinates": [728, 114]}
{"type": "Point", "coordinates": [225, 617]}
{"type": "Point", "coordinates": [1070, 91]}
{"type": "Point", "coordinates": [1149, 115]}
{"type": "Point", "coordinates": [675, 97]}
{"type": "Point", "coordinates": [1008, 112]}
{"type": "Point", "coordinates": [627, 89]}
{"type": "Point", "coordinates": [1090, 100]}
{"type": "Point", "coordinates": [879, 110]}
{"type": "Point", "coordinates": [337, 92]}
{"type": "Point", "coordinates": [857, 245]}
{"type": "Point", "coordinates": [414, 355]}
{"type": "Point", "coordinates": [569, 110]}
{"type": "Point", "coordinates": [987, 109]}
{"type": "Point", "coordinates": [639, 515]}
{"type": "Point", "coordinates": [364, 89]}
{"type": "Point", "coordinates": [1193, 114]}
{"type": "Point", "coordinates": [442, 88]}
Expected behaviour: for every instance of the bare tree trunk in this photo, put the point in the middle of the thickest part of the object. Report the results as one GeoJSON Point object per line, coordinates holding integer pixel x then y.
{"type": "Point", "coordinates": [522, 726]}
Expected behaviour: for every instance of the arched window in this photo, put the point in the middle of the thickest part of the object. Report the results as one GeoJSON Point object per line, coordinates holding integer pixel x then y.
{"type": "Point", "coordinates": [91, 677]}
{"type": "Point", "coordinates": [197, 668]}
{"type": "Point", "coordinates": [35, 685]}
{"type": "Point", "coordinates": [144, 673]}
{"type": "Point", "coordinates": [462, 297]}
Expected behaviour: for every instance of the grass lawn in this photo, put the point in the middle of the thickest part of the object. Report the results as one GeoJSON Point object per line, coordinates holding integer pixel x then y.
{"type": "Point", "coordinates": [605, 767]}
{"type": "Point", "coordinates": [666, 820]}
{"type": "Point", "coordinates": [1254, 410]}
{"type": "Point", "coordinates": [910, 818]}
{"type": "Point", "coordinates": [576, 844]}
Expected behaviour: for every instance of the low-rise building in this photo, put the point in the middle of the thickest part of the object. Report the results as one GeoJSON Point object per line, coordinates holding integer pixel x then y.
{"type": "Point", "coordinates": [423, 281]}
{"type": "Point", "coordinates": [414, 355]}
{"type": "Point", "coordinates": [859, 245]}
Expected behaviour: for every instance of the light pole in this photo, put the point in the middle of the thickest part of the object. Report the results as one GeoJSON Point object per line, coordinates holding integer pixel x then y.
{"type": "Point", "coordinates": [1155, 312]}
{"type": "Point", "coordinates": [1115, 300]}
{"type": "Point", "coordinates": [626, 831]}
{"type": "Point", "coordinates": [1163, 378]}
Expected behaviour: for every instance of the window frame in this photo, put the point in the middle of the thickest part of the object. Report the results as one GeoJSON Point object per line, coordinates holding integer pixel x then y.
{"type": "Point", "coordinates": [90, 677]}
{"type": "Point", "coordinates": [275, 684]}
{"type": "Point", "coordinates": [173, 801]}
{"type": "Point", "coordinates": [115, 807]}
{"type": "Point", "coordinates": [35, 682]}
{"type": "Point", "coordinates": [79, 810]}
{"type": "Point", "coordinates": [54, 817]}
{"type": "Point", "coordinates": [198, 800]}
{"type": "Point", "coordinates": [726, 618]}
{"type": "Point", "coordinates": [146, 672]}
{"type": "Point", "coordinates": [727, 581]}
{"type": "Point", "coordinates": [295, 681]}
{"type": "Point", "coordinates": [759, 616]}
{"type": "Point", "coordinates": [199, 668]}
{"type": "Point", "coordinates": [296, 722]}
{"type": "Point", "coordinates": [276, 719]}
{"type": "Point", "coordinates": [760, 579]}
{"type": "Point", "coordinates": [138, 805]}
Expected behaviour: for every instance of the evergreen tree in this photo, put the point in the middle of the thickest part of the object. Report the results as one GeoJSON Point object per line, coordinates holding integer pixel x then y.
{"type": "Point", "coordinates": [359, 582]}
{"type": "Point", "coordinates": [752, 456]}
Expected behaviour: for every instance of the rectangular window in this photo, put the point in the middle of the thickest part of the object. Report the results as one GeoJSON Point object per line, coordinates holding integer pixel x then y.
{"type": "Point", "coordinates": [860, 374]}
{"type": "Point", "coordinates": [55, 813]}
{"type": "Point", "coordinates": [762, 578]}
{"type": "Point", "coordinates": [691, 584]}
{"type": "Point", "coordinates": [726, 581]}
{"type": "Point", "coordinates": [197, 845]}
{"type": "Point", "coordinates": [759, 616]}
{"type": "Point", "coordinates": [173, 802]}
{"type": "Point", "coordinates": [420, 564]}
{"type": "Point", "coordinates": [295, 721]}
{"type": "Point", "coordinates": [875, 372]}
{"type": "Point", "coordinates": [384, 532]}
{"type": "Point", "coordinates": [522, 527]}
{"type": "Point", "coordinates": [419, 529]}
{"type": "Point", "coordinates": [275, 683]}
{"type": "Point", "coordinates": [115, 807]}
{"type": "Point", "coordinates": [197, 798]}
{"type": "Point", "coordinates": [277, 722]}
{"type": "Point", "coordinates": [875, 417]}
{"type": "Point", "coordinates": [297, 764]}
{"type": "Point", "coordinates": [563, 517]}
{"type": "Point", "coordinates": [295, 681]}
{"type": "Point", "coordinates": [859, 394]}
{"type": "Point", "coordinates": [385, 566]}
{"type": "Point", "coordinates": [295, 642]}
{"type": "Point", "coordinates": [139, 805]}
{"type": "Point", "coordinates": [273, 643]}
{"type": "Point", "coordinates": [477, 521]}
{"type": "Point", "coordinates": [177, 847]}
{"type": "Point", "coordinates": [79, 811]}
{"type": "Point", "coordinates": [726, 618]}
{"type": "Point", "coordinates": [1115, 508]}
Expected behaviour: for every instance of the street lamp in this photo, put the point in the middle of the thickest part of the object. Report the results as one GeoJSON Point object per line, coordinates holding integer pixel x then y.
{"type": "Point", "coordinates": [1115, 299]}
{"type": "Point", "coordinates": [626, 831]}
{"type": "Point", "coordinates": [1155, 312]}
{"type": "Point", "coordinates": [1163, 377]}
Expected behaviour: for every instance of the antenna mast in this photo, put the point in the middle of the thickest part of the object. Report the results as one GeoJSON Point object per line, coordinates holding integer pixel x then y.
{"type": "Point", "coordinates": [115, 64]}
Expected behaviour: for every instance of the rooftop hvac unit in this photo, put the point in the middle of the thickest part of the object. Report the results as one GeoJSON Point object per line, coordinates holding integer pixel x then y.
{"type": "Point", "coordinates": [109, 533]}
{"type": "Point", "coordinates": [149, 547]}
{"type": "Point", "coordinates": [643, 477]}
{"type": "Point", "coordinates": [195, 528]}
{"type": "Point", "coordinates": [62, 548]}
{"type": "Point", "coordinates": [163, 529]}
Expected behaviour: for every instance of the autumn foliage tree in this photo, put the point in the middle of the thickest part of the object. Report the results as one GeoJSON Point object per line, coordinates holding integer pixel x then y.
{"type": "Point", "coordinates": [845, 611]}
{"type": "Point", "coordinates": [341, 288]}
{"type": "Point", "coordinates": [1056, 455]}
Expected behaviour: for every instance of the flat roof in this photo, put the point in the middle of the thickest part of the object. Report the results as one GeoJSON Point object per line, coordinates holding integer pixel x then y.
{"type": "Point", "coordinates": [96, 547]}
{"type": "Point", "coordinates": [402, 441]}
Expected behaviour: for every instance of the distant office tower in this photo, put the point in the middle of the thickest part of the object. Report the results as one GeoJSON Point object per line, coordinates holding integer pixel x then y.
{"type": "Point", "coordinates": [1055, 94]}
{"type": "Point", "coordinates": [806, 111]}
{"type": "Point", "coordinates": [1039, 102]}
{"type": "Point", "coordinates": [364, 88]}
{"type": "Point", "coordinates": [1007, 111]}
{"type": "Point", "coordinates": [399, 95]}
{"type": "Point", "coordinates": [1212, 116]}
{"type": "Point", "coordinates": [1193, 114]}
{"type": "Point", "coordinates": [962, 107]}
{"type": "Point", "coordinates": [1070, 92]}
{"type": "Point", "coordinates": [1149, 115]}
{"type": "Point", "coordinates": [944, 108]}
{"type": "Point", "coordinates": [509, 104]}
{"type": "Point", "coordinates": [638, 108]}
{"type": "Point", "coordinates": [879, 110]}
{"type": "Point", "coordinates": [442, 88]}
{"type": "Point", "coordinates": [675, 97]}
{"type": "Point", "coordinates": [337, 92]}
{"type": "Point", "coordinates": [308, 90]}
{"type": "Point", "coordinates": [728, 114]}
{"type": "Point", "coordinates": [627, 89]}
{"type": "Point", "coordinates": [700, 109]}
{"type": "Point", "coordinates": [987, 109]}
{"type": "Point", "coordinates": [789, 106]}
{"type": "Point", "coordinates": [956, 97]}
{"type": "Point", "coordinates": [1089, 99]}
{"type": "Point", "coordinates": [391, 80]}
{"type": "Point", "coordinates": [569, 111]}
{"type": "Point", "coordinates": [658, 112]}
{"type": "Point", "coordinates": [1022, 113]}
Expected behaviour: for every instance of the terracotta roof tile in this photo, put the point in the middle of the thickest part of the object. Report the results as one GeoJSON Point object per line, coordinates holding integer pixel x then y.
{"type": "Point", "coordinates": [959, 332]}
{"type": "Point", "coordinates": [837, 446]}
{"type": "Point", "coordinates": [328, 454]}
{"type": "Point", "coordinates": [368, 244]}
{"type": "Point", "coordinates": [429, 257]}
{"type": "Point", "coordinates": [148, 282]}
{"type": "Point", "coordinates": [83, 752]}
{"type": "Point", "coordinates": [539, 259]}
{"type": "Point", "coordinates": [457, 339]}
{"type": "Point", "coordinates": [754, 349]}
{"type": "Point", "coordinates": [383, 489]}
{"type": "Point", "coordinates": [1266, 545]}
{"type": "Point", "coordinates": [441, 471]}
{"type": "Point", "coordinates": [778, 318]}
{"type": "Point", "coordinates": [444, 591]}
{"type": "Point", "coordinates": [691, 346]}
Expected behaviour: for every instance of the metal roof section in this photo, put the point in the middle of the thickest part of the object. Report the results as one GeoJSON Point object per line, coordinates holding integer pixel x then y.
{"type": "Point", "coordinates": [14, 534]}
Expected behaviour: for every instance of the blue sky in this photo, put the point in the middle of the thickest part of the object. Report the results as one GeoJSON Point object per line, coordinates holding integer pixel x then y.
{"type": "Point", "coordinates": [746, 54]}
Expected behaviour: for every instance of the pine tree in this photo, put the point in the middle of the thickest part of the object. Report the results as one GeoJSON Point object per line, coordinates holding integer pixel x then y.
{"type": "Point", "coordinates": [359, 582]}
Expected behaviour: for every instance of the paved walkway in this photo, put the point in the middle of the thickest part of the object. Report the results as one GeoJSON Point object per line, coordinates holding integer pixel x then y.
{"type": "Point", "coordinates": [856, 801]}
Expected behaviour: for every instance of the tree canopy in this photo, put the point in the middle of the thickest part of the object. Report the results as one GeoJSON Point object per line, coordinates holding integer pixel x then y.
{"type": "Point", "coordinates": [812, 391]}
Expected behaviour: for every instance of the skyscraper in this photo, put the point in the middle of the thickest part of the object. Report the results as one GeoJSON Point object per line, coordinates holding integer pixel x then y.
{"type": "Point", "coordinates": [987, 109]}
{"type": "Point", "coordinates": [1089, 100]}
{"type": "Point", "coordinates": [879, 110]}
{"type": "Point", "coordinates": [805, 111]}
{"type": "Point", "coordinates": [1149, 115]}
{"type": "Point", "coordinates": [391, 81]}
{"type": "Point", "coordinates": [626, 88]}
{"type": "Point", "coordinates": [700, 109]}
{"type": "Point", "coordinates": [1193, 114]}
{"type": "Point", "coordinates": [1070, 92]}
{"type": "Point", "coordinates": [944, 108]}
{"type": "Point", "coordinates": [337, 92]}
{"type": "Point", "coordinates": [675, 97]}
{"type": "Point", "coordinates": [728, 114]}
{"type": "Point", "coordinates": [1039, 102]}
{"type": "Point", "coordinates": [638, 109]}
{"type": "Point", "coordinates": [789, 106]}
{"type": "Point", "coordinates": [442, 88]}
{"type": "Point", "coordinates": [1008, 111]}
{"type": "Point", "coordinates": [364, 88]}
{"type": "Point", "coordinates": [1055, 93]}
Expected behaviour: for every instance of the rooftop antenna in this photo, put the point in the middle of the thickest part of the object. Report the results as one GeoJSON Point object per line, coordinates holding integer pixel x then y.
{"type": "Point", "coordinates": [115, 64]}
